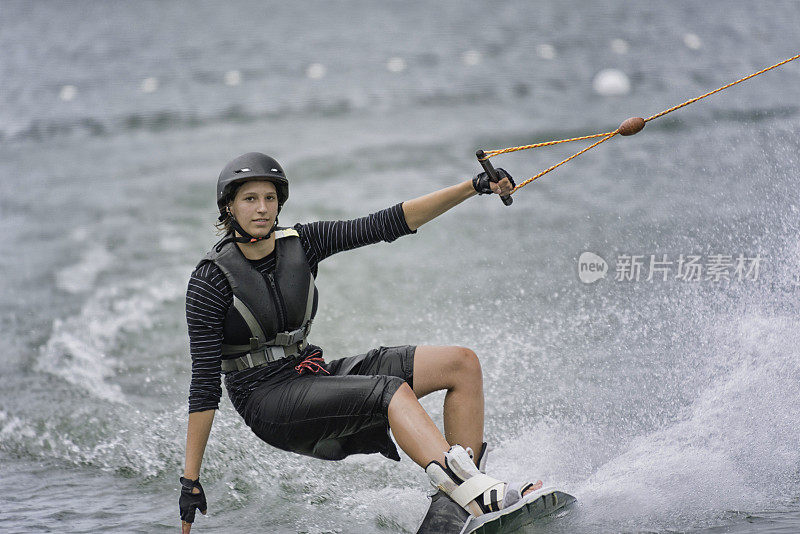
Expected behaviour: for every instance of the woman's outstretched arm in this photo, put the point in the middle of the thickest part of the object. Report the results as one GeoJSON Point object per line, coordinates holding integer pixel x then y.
{"type": "Point", "coordinates": [325, 238]}
{"type": "Point", "coordinates": [427, 207]}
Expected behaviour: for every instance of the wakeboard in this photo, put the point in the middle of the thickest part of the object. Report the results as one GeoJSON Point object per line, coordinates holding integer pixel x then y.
{"type": "Point", "coordinates": [446, 517]}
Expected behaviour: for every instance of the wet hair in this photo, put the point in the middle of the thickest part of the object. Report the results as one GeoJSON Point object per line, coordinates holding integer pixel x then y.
{"type": "Point", "coordinates": [224, 224]}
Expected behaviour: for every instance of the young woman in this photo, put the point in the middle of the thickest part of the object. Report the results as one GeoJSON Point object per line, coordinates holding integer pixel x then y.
{"type": "Point", "coordinates": [249, 307]}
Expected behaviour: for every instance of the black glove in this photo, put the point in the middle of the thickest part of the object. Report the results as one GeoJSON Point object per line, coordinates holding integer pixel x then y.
{"type": "Point", "coordinates": [481, 181]}
{"type": "Point", "coordinates": [190, 502]}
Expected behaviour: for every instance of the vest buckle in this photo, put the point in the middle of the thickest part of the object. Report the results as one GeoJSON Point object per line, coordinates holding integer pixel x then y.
{"type": "Point", "coordinates": [276, 352]}
{"type": "Point", "coordinates": [290, 338]}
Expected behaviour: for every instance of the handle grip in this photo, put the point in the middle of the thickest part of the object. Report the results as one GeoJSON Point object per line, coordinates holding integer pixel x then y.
{"type": "Point", "coordinates": [487, 166]}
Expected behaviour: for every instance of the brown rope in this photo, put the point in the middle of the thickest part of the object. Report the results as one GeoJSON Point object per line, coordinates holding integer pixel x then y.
{"type": "Point", "coordinates": [491, 153]}
{"type": "Point", "coordinates": [740, 80]}
{"type": "Point", "coordinates": [608, 135]}
{"type": "Point", "coordinates": [575, 155]}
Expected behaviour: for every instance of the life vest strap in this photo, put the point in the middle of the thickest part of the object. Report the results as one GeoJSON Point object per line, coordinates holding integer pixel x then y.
{"type": "Point", "coordinates": [261, 356]}
{"type": "Point", "coordinates": [286, 232]}
{"type": "Point", "coordinates": [252, 323]}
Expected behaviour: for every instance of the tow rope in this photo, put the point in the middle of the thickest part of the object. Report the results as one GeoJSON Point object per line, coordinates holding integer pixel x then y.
{"type": "Point", "coordinates": [629, 126]}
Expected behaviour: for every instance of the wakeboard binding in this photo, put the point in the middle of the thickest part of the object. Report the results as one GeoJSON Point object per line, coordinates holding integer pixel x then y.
{"type": "Point", "coordinates": [469, 501]}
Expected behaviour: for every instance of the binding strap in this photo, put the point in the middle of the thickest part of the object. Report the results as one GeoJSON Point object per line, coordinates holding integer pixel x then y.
{"type": "Point", "coordinates": [460, 479]}
{"type": "Point", "coordinates": [476, 486]}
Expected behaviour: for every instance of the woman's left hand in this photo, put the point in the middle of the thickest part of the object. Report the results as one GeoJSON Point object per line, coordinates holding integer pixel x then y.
{"type": "Point", "coordinates": [485, 186]}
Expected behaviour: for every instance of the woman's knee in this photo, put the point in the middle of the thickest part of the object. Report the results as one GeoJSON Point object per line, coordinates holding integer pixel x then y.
{"type": "Point", "coordinates": [467, 363]}
{"type": "Point", "coordinates": [445, 367]}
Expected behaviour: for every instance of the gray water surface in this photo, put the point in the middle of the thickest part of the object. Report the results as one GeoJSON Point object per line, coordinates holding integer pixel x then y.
{"type": "Point", "coordinates": [664, 406]}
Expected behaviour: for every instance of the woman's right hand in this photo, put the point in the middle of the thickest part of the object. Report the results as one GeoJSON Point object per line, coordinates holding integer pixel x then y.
{"type": "Point", "coordinates": [192, 498]}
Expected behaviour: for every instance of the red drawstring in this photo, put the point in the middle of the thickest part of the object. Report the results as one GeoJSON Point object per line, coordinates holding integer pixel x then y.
{"type": "Point", "coordinates": [312, 363]}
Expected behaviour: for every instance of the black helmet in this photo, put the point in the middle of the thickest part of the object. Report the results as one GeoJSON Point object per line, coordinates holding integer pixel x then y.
{"type": "Point", "coordinates": [251, 166]}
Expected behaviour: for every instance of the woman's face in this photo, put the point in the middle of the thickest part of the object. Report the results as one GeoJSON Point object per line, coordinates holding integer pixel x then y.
{"type": "Point", "coordinates": [255, 207]}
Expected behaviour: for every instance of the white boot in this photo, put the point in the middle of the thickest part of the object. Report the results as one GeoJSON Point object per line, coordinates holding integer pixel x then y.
{"type": "Point", "coordinates": [474, 491]}
{"type": "Point", "coordinates": [471, 489]}
{"type": "Point", "coordinates": [482, 454]}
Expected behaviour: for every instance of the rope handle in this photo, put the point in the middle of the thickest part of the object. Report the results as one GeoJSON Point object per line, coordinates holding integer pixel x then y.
{"type": "Point", "coordinates": [490, 170]}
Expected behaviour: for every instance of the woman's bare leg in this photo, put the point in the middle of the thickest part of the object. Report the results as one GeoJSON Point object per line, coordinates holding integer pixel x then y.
{"type": "Point", "coordinates": [457, 370]}
{"type": "Point", "coordinates": [414, 430]}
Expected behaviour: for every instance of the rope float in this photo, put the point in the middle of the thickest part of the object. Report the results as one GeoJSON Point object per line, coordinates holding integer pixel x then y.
{"type": "Point", "coordinates": [630, 126]}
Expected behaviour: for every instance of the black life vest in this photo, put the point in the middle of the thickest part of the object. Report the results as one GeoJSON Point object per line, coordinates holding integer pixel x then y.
{"type": "Point", "coordinates": [271, 313]}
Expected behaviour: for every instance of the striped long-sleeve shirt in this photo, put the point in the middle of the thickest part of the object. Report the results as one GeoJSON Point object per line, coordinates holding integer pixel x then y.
{"type": "Point", "coordinates": [209, 296]}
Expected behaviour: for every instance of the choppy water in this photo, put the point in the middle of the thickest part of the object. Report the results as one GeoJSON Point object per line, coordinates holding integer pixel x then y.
{"type": "Point", "coordinates": [663, 405]}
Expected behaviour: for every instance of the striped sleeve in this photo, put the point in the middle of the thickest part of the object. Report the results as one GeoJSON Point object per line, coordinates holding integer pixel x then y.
{"type": "Point", "coordinates": [208, 299]}
{"type": "Point", "coordinates": [326, 238]}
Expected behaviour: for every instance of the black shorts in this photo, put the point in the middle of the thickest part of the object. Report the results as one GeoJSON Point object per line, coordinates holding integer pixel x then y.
{"type": "Point", "coordinates": [333, 416]}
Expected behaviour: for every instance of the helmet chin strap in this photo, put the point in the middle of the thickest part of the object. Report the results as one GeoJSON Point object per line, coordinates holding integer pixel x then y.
{"type": "Point", "coordinates": [245, 237]}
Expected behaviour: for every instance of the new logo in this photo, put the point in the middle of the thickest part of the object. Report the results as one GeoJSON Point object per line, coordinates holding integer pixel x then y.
{"type": "Point", "coordinates": [591, 267]}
